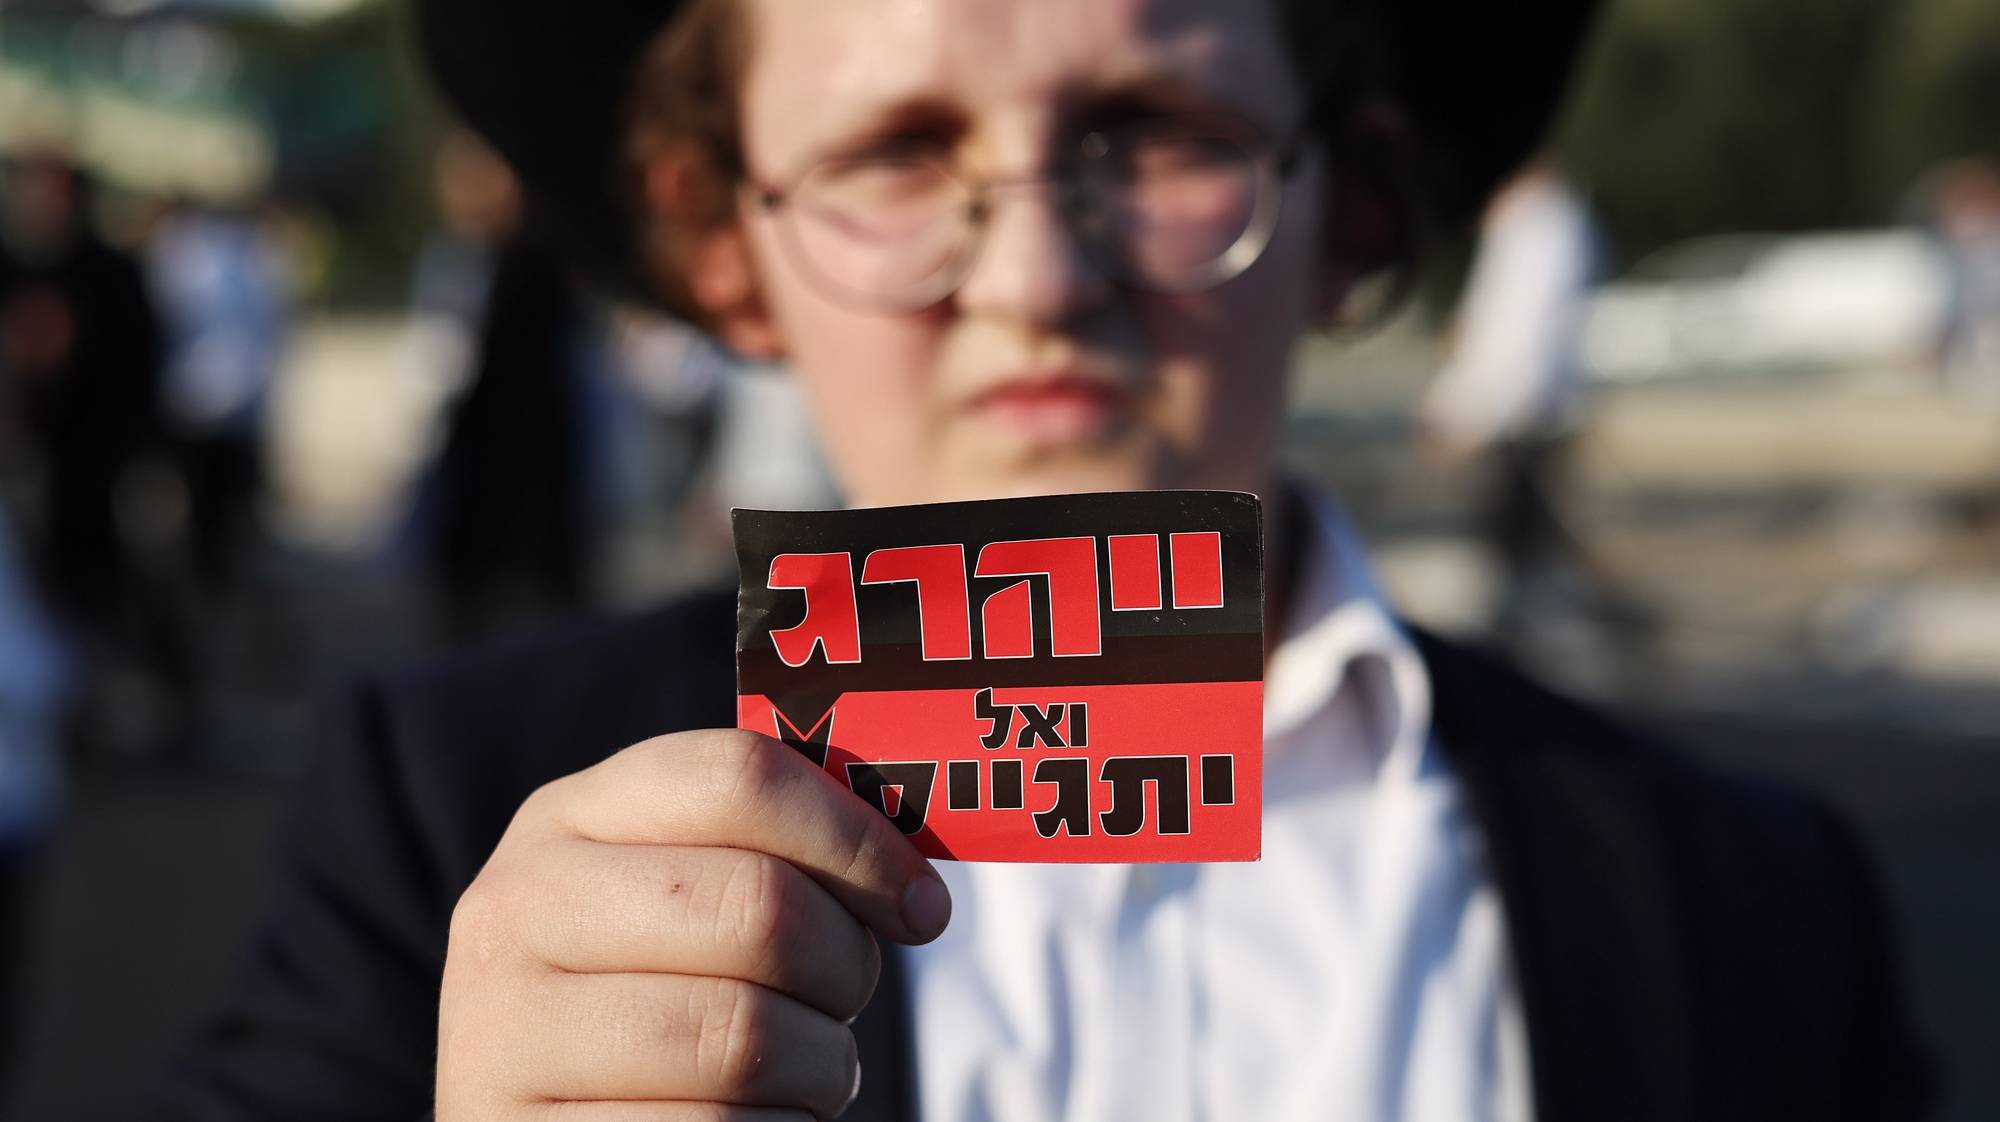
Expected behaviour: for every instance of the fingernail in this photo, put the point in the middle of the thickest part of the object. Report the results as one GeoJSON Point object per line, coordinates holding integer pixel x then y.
{"type": "Point", "coordinates": [926, 906]}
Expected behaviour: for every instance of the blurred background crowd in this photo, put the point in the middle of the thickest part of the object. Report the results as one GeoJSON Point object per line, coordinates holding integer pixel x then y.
{"type": "Point", "coordinates": [1704, 424]}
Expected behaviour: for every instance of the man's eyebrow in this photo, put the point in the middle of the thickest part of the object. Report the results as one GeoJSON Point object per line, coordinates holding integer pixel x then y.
{"type": "Point", "coordinates": [1154, 85]}
{"type": "Point", "coordinates": [1166, 90]}
{"type": "Point", "coordinates": [919, 118]}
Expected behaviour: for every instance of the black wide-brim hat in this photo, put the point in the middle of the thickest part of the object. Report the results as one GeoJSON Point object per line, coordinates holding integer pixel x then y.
{"type": "Point", "coordinates": [547, 82]}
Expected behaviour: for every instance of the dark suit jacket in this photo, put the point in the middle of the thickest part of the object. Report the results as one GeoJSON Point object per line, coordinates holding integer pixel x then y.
{"type": "Point", "coordinates": [1689, 945]}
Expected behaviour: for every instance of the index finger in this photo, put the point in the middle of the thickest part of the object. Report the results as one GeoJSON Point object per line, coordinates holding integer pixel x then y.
{"type": "Point", "coordinates": [744, 790]}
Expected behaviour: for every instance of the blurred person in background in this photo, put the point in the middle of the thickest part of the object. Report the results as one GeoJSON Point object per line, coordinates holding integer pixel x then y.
{"type": "Point", "coordinates": [737, 432]}
{"type": "Point", "coordinates": [513, 536]}
{"type": "Point", "coordinates": [1511, 390]}
{"type": "Point", "coordinates": [767, 454]}
{"type": "Point", "coordinates": [223, 284]}
{"type": "Point", "coordinates": [1019, 248]}
{"type": "Point", "coordinates": [80, 346]}
{"type": "Point", "coordinates": [479, 211]}
{"type": "Point", "coordinates": [676, 375]}
{"type": "Point", "coordinates": [1966, 218]}
{"type": "Point", "coordinates": [505, 517]}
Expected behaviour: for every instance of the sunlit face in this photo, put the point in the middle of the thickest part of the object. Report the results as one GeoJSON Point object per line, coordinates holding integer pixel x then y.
{"type": "Point", "coordinates": [1040, 373]}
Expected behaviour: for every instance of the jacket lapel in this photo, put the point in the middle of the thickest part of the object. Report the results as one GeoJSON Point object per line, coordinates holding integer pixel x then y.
{"type": "Point", "coordinates": [1581, 859]}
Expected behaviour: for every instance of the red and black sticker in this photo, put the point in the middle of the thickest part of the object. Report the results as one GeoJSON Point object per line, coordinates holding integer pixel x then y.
{"type": "Point", "coordinates": [1072, 678]}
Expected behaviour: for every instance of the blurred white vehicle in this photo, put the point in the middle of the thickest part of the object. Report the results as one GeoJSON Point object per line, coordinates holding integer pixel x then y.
{"type": "Point", "coordinates": [1764, 304]}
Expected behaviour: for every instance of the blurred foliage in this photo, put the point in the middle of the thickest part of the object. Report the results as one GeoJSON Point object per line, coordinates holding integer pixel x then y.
{"type": "Point", "coordinates": [373, 201]}
{"type": "Point", "coordinates": [1937, 92]}
{"type": "Point", "coordinates": [1691, 117]}
{"type": "Point", "coordinates": [334, 113]}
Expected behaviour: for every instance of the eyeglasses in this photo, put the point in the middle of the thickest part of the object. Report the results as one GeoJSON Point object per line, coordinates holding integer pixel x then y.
{"type": "Point", "coordinates": [1175, 206]}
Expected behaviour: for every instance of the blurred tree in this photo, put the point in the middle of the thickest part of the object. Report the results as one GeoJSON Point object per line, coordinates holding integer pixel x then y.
{"type": "Point", "coordinates": [1695, 116]}
{"type": "Point", "coordinates": [1936, 94]}
{"type": "Point", "coordinates": [359, 127]}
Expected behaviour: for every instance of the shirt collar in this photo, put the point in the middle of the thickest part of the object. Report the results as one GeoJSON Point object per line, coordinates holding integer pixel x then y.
{"type": "Point", "coordinates": [1338, 618]}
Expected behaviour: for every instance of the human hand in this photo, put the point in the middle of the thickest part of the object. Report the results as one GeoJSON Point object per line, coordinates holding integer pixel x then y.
{"type": "Point", "coordinates": [680, 932]}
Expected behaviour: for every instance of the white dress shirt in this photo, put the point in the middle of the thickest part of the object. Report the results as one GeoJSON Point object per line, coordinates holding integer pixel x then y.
{"type": "Point", "coordinates": [1359, 971]}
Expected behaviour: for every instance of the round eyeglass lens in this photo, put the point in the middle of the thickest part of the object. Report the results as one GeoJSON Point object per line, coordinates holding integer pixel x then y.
{"type": "Point", "coordinates": [1182, 211]}
{"type": "Point", "coordinates": [879, 230]}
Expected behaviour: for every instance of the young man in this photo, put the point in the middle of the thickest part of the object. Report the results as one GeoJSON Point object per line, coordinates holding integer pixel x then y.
{"type": "Point", "coordinates": [1011, 248]}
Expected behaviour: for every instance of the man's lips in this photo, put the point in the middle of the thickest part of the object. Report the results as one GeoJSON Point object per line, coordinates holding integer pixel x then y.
{"type": "Point", "coordinates": [1057, 409]}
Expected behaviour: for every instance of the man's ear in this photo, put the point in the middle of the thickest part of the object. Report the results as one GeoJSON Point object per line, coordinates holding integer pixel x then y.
{"type": "Point", "coordinates": [722, 280]}
{"type": "Point", "coordinates": [1372, 225]}
{"type": "Point", "coordinates": [1366, 239]}
{"type": "Point", "coordinates": [703, 251]}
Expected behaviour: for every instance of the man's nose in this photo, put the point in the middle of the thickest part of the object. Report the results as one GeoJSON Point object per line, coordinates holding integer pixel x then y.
{"type": "Point", "coordinates": [1029, 266]}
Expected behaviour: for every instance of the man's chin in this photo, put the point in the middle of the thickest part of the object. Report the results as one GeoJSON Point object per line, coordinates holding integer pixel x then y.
{"type": "Point", "coordinates": [1075, 474]}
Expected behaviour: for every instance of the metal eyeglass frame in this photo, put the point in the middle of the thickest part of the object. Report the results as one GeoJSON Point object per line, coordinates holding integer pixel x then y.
{"type": "Point", "coordinates": [1272, 164]}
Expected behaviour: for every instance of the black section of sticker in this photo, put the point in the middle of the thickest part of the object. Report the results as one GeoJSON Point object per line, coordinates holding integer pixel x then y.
{"type": "Point", "coordinates": [1007, 790]}
{"type": "Point", "coordinates": [1004, 602]}
{"type": "Point", "coordinates": [1218, 781]}
{"type": "Point", "coordinates": [962, 784]}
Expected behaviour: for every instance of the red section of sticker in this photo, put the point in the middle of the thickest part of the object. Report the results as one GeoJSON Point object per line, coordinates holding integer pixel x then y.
{"type": "Point", "coordinates": [1009, 628]}
{"type": "Point", "coordinates": [1197, 570]}
{"type": "Point", "coordinates": [1135, 572]}
{"type": "Point", "coordinates": [833, 622]}
{"type": "Point", "coordinates": [1071, 567]}
{"type": "Point", "coordinates": [1081, 773]}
